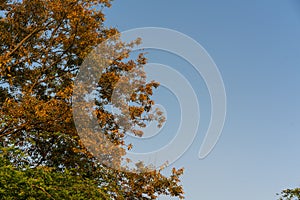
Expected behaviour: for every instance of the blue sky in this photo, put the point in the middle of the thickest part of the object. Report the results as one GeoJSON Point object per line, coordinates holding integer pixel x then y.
{"type": "Point", "coordinates": [256, 46]}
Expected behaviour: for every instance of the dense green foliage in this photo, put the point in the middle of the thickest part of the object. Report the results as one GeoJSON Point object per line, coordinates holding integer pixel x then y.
{"type": "Point", "coordinates": [45, 183]}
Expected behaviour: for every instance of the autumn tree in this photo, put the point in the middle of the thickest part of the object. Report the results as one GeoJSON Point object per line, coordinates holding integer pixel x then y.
{"type": "Point", "coordinates": [43, 43]}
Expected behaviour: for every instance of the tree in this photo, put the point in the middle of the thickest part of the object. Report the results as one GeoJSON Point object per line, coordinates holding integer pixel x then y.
{"type": "Point", "coordinates": [290, 194]}
{"type": "Point", "coordinates": [45, 183]}
{"type": "Point", "coordinates": [42, 45]}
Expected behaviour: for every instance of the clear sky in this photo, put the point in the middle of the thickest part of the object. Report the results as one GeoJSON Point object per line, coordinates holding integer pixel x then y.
{"type": "Point", "coordinates": [256, 46]}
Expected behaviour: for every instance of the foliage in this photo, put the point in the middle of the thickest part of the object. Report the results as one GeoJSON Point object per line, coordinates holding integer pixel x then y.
{"type": "Point", "coordinates": [42, 45]}
{"type": "Point", "coordinates": [290, 194]}
{"type": "Point", "coordinates": [45, 183]}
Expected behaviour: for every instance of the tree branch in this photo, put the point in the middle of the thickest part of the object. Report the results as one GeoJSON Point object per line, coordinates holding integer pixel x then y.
{"type": "Point", "coordinates": [49, 195]}
{"type": "Point", "coordinates": [23, 41]}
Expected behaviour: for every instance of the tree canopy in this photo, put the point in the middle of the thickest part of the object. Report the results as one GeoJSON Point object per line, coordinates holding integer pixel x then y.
{"type": "Point", "coordinates": [290, 194]}
{"type": "Point", "coordinates": [43, 43]}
